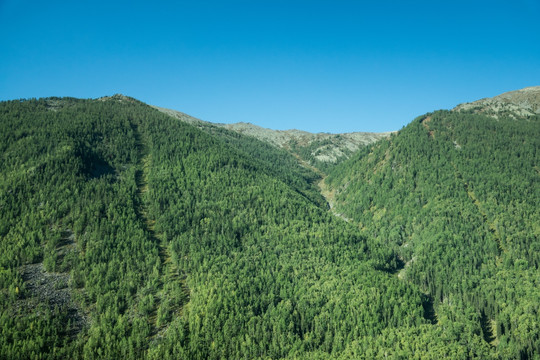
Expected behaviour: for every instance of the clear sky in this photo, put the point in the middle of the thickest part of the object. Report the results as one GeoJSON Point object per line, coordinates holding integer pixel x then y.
{"type": "Point", "coordinates": [321, 66]}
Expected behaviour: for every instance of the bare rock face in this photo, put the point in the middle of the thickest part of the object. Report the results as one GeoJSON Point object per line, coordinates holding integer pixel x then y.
{"type": "Point", "coordinates": [514, 104]}
{"type": "Point", "coordinates": [334, 144]}
{"type": "Point", "coordinates": [117, 97]}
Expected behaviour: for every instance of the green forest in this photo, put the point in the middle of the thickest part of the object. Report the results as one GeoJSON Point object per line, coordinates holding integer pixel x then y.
{"type": "Point", "coordinates": [127, 233]}
{"type": "Point", "coordinates": [457, 197]}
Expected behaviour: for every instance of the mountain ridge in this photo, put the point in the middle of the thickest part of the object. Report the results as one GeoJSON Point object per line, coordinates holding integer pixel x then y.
{"type": "Point", "coordinates": [321, 149]}
{"type": "Point", "coordinates": [183, 239]}
{"type": "Point", "coordinates": [517, 103]}
{"type": "Point", "coordinates": [456, 194]}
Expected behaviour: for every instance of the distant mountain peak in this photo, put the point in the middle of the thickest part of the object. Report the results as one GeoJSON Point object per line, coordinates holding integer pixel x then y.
{"type": "Point", "coordinates": [117, 97]}
{"type": "Point", "coordinates": [515, 104]}
{"type": "Point", "coordinates": [314, 148]}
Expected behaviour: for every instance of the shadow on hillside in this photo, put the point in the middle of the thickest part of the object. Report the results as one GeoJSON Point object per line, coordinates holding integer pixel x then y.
{"type": "Point", "coordinates": [99, 169]}
{"type": "Point", "coordinates": [429, 310]}
{"type": "Point", "coordinates": [487, 329]}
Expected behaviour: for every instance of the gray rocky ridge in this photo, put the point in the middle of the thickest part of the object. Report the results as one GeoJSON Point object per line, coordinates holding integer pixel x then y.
{"type": "Point", "coordinates": [324, 147]}
{"type": "Point", "coordinates": [519, 103]}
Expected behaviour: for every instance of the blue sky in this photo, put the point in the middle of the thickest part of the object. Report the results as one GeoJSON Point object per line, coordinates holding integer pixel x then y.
{"type": "Point", "coordinates": [321, 66]}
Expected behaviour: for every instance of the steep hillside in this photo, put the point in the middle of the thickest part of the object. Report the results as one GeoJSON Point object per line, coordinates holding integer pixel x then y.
{"type": "Point", "coordinates": [457, 195]}
{"type": "Point", "coordinates": [322, 150]}
{"type": "Point", "coordinates": [127, 233]}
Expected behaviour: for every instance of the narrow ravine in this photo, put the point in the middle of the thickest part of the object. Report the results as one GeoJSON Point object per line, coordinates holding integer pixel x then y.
{"type": "Point", "coordinates": [324, 190]}
{"type": "Point", "coordinates": [400, 271]}
{"type": "Point", "coordinates": [329, 196]}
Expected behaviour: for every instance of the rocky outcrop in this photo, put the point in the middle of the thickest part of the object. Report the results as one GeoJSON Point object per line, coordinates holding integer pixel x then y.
{"type": "Point", "coordinates": [514, 104]}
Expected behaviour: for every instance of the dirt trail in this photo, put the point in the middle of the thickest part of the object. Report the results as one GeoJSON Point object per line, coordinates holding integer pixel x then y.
{"type": "Point", "coordinates": [170, 277]}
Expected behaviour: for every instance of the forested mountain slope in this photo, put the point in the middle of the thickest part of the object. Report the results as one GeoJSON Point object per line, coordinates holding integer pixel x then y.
{"type": "Point", "coordinates": [457, 196]}
{"type": "Point", "coordinates": [126, 233]}
{"type": "Point", "coordinates": [322, 150]}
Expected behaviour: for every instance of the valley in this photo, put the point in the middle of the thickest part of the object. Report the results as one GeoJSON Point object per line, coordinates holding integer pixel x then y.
{"type": "Point", "coordinates": [132, 231]}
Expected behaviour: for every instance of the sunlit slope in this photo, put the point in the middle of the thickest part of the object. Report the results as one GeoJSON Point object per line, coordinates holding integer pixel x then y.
{"type": "Point", "coordinates": [127, 233]}
{"type": "Point", "coordinates": [321, 150]}
{"type": "Point", "coordinates": [457, 195]}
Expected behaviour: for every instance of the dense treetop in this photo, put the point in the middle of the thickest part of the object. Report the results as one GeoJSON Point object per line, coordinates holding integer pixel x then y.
{"type": "Point", "coordinates": [127, 233]}
{"type": "Point", "coordinates": [457, 195]}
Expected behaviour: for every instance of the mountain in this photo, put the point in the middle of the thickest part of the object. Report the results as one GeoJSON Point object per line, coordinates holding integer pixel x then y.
{"type": "Point", "coordinates": [513, 104]}
{"type": "Point", "coordinates": [457, 195]}
{"type": "Point", "coordinates": [126, 232]}
{"type": "Point", "coordinates": [322, 150]}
